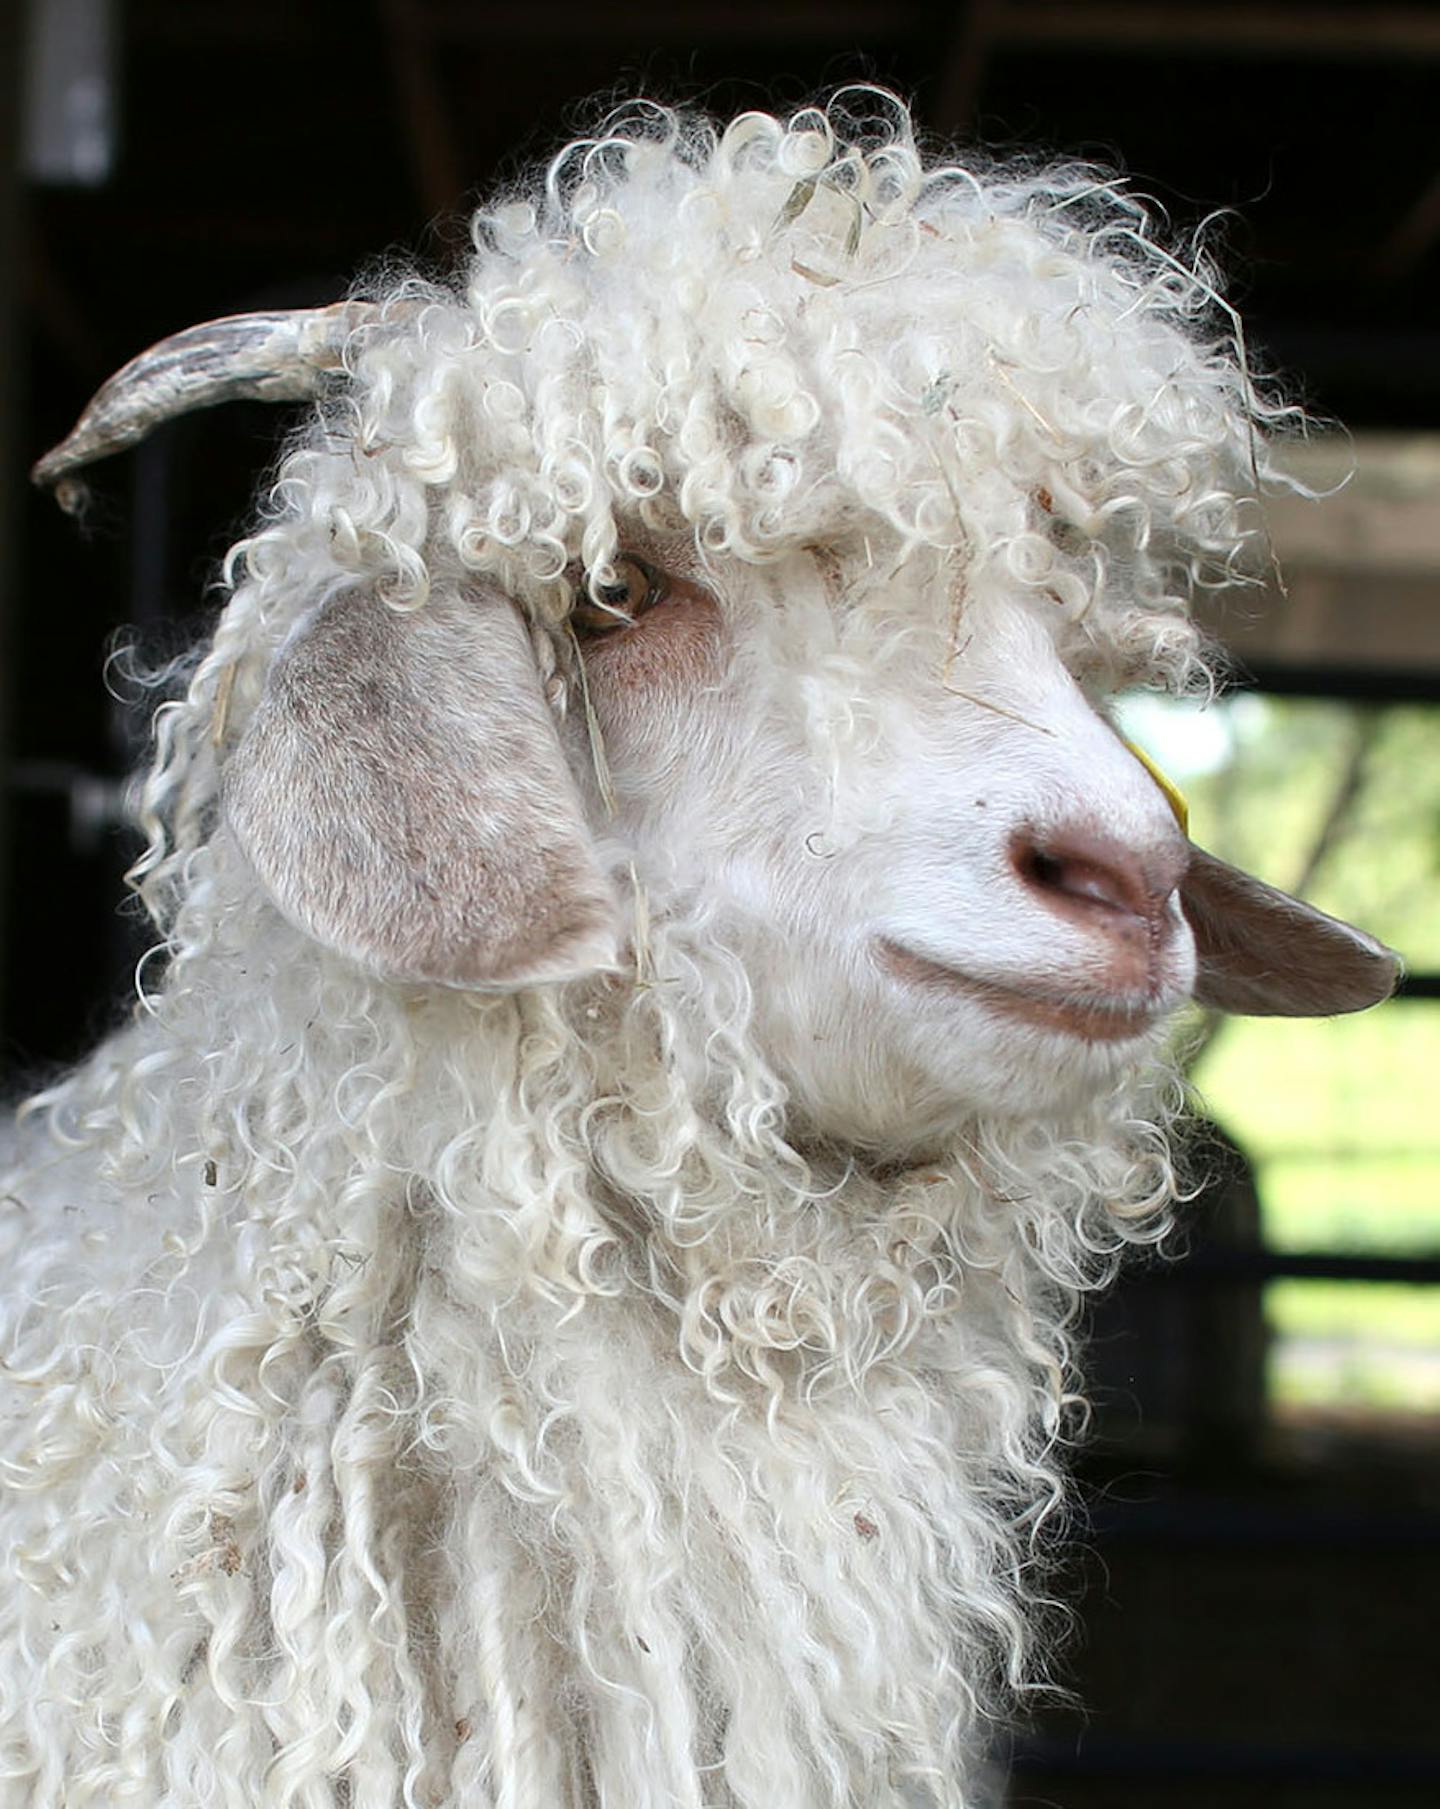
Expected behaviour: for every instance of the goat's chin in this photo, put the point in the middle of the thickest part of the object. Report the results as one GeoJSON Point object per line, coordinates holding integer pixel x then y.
{"type": "Point", "coordinates": [900, 1088]}
{"type": "Point", "coordinates": [901, 1052]}
{"type": "Point", "coordinates": [1017, 1043]}
{"type": "Point", "coordinates": [1024, 1058]}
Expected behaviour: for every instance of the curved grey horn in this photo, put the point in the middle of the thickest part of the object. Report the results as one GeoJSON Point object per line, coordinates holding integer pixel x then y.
{"type": "Point", "coordinates": [270, 357]}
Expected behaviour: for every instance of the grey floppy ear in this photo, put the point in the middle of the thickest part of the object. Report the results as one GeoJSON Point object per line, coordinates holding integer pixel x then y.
{"type": "Point", "coordinates": [1262, 953]}
{"type": "Point", "coordinates": [403, 795]}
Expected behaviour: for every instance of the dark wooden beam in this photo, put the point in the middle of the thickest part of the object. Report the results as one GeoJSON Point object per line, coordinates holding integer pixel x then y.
{"type": "Point", "coordinates": [1329, 32]}
{"type": "Point", "coordinates": [424, 113]}
{"type": "Point", "coordinates": [12, 470]}
{"type": "Point", "coordinates": [962, 72]}
{"type": "Point", "coordinates": [1413, 237]}
{"type": "Point", "coordinates": [554, 23]}
{"type": "Point", "coordinates": [845, 23]}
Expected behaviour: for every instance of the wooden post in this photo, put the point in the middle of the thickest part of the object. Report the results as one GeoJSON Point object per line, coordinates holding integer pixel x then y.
{"type": "Point", "coordinates": [12, 473]}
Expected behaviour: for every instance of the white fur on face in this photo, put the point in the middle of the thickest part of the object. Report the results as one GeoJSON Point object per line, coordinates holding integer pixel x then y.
{"type": "Point", "coordinates": [850, 771]}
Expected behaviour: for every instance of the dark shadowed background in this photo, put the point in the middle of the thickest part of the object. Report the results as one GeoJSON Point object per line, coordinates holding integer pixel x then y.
{"type": "Point", "coordinates": [1259, 1610]}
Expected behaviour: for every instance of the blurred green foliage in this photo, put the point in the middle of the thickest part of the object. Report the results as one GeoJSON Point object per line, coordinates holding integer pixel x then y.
{"type": "Point", "coordinates": [1340, 1118]}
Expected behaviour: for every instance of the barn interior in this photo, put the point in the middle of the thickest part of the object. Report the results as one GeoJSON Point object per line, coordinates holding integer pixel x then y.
{"type": "Point", "coordinates": [1253, 1562]}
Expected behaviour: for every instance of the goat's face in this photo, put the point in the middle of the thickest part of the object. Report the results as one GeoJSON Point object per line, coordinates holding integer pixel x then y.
{"type": "Point", "coordinates": [953, 885]}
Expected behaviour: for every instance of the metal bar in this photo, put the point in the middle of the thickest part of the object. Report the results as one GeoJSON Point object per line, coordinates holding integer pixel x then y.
{"type": "Point", "coordinates": [1092, 1754]}
{"type": "Point", "coordinates": [1251, 1525]}
{"type": "Point", "coordinates": [1373, 684]}
{"type": "Point", "coordinates": [1212, 1265]}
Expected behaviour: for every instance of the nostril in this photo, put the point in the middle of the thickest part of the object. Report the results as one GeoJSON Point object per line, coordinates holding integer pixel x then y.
{"type": "Point", "coordinates": [1080, 870]}
{"type": "Point", "coordinates": [1041, 871]}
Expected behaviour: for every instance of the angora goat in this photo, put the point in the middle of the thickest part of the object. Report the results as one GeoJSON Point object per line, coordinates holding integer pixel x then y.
{"type": "Point", "coordinates": [560, 1296]}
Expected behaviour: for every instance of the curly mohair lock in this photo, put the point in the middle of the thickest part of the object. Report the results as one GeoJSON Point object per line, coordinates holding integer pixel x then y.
{"type": "Point", "coordinates": [417, 1397]}
{"type": "Point", "coordinates": [778, 332]}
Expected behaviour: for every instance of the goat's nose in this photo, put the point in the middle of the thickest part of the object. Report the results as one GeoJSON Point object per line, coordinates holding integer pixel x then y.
{"type": "Point", "coordinates": [1095, 880]}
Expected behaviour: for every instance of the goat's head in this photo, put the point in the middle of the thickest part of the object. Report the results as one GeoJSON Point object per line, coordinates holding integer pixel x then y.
{"type": "Point", "coordinates": [952, 885]}
{"type": "Point", "coordinates": [759, 536]}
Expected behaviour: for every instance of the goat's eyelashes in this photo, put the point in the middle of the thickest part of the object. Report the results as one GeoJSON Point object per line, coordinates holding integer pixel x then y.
{"type": "Point", "coordinates": [637, 587]}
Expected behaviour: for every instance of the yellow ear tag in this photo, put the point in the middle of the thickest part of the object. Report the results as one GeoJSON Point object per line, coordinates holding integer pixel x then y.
{"type": "Point", "coordinates": [1174, 797]}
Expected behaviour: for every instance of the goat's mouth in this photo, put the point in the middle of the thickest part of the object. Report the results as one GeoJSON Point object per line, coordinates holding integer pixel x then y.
{"type": "Point", "coordinates": [1092, 1017]}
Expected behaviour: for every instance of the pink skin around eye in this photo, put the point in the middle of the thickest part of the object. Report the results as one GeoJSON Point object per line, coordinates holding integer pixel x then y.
{"type": "Point", "coordinates": [670, 650]}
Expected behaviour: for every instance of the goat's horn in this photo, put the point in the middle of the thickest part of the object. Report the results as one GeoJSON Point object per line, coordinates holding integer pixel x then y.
{"type": "Point", "coordinates": [270, 357]}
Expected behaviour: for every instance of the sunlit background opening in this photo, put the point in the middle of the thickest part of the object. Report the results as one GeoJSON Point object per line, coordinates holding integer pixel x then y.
{"type": "Point", "coordinates": [1338, 1119]}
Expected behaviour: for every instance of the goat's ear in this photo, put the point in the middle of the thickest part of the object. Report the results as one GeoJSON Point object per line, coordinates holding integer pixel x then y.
{"type": "Point", "coordinates": [402, 793]}
{"type": "Point", "coordinates": [1265, 954]}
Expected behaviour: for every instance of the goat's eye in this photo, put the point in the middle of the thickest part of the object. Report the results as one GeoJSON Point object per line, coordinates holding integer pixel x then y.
{"type": "Point", "coordinates": [637, 587]}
